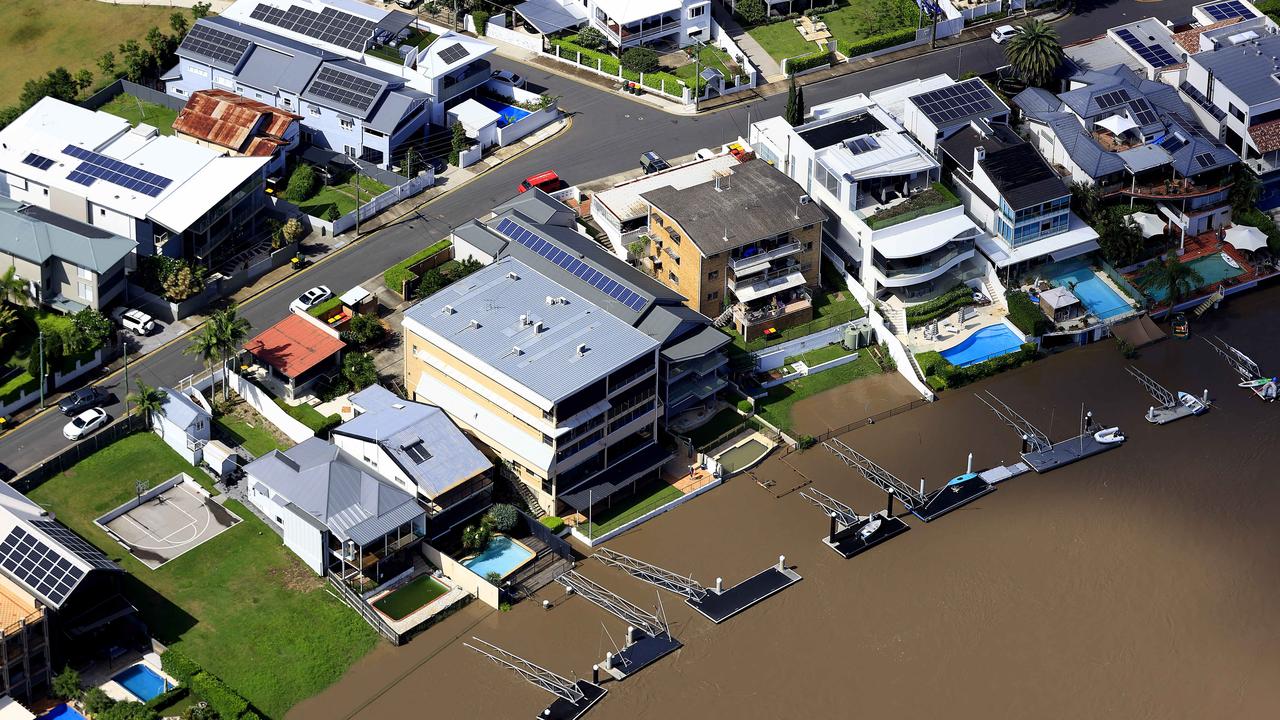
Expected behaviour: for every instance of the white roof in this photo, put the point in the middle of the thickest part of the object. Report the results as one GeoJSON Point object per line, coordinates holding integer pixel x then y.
{"type": "Point", "coordinates": [473, 115]}
{"type": "Point", "coordinates": [432, 65]}
{"type": "Point", "coordinates": [197, 181]}
{"type": "Point", "coordinates": [355, 295]}
{"type": "Point", "coordinates": [1079, 238]}
{"type": "Point", "coordinates": [897, 154]}
{"type": "Point", "coordinates": [1059, 297]}
{"type": "Point", "coordinates": [625, 202]}
{"type": "Point", "coordinates": [920, 240]}
{"type": "Point", "coordinates": [763, 288]}
{"type": "Point", "coordinates": [894, 98]}
{"type": "Point", "coordinates": [11, 709]}
{"type": "Point", "coordinates": [626, 11]}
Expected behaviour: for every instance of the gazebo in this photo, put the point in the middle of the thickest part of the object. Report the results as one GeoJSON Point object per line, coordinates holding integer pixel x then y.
{"type": "Point", "coordinates": [1060, 304]}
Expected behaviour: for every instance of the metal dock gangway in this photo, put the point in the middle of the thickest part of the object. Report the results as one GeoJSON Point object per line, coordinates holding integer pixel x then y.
{"type": "Point", "coordinates": [960, 491]}
{"type": "Point", "coordinates": [573, 697]}
{"type": "Point", "coordinates": [648, 637]}
{"type": "Point", "coordinates": [851, 534]}
{"type": "Point", "coordinates": [1043, 455]}
{"type": "Point", "coordinates": [1171, 407]}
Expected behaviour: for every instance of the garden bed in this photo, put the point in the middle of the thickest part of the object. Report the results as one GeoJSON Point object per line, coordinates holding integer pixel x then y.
{"type": "Point", "coordinates": [934, 200]}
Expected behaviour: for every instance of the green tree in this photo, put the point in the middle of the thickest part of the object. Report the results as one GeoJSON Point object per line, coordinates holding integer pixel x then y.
{"type": "Point", "coordinates": [363, 331]}
{"type": "Point", "coordinates": [201, 711]}
{"type": "Point", "coordinates": [752, 12]}
{"type": "Point", "coordinates": [504, 517]}
{"type": "Point", "coordinates": [182, 283]}
{"type": "Point", "coordinates": [149, 401]}
{"type": "Point", "coordinates": [53, 354]}
{"type": "Point", "coordinates": [1035, 52]}
{"type": "Point", "coordinates": [14, 288]}
{"type": "Point", "coordinates": [157, 45]}
{"type": "Point", "coordinates": [57, 83]}
{"type": "Point", "coordinates": [640, 59]}
{"type": "Point", "coordinates": [84, 79]}
{"type": "Point", "coordinates": [179, 24]}
{"type": "Point", "coordinates": [591, 38]}
{"type": "Point", "coordinates": [1119, 237]}
{"type": "Point", "coordinates": [475, 538]}
{"type": "Point", "coordinates": [133, 59]}
{"type": "Point", "coordinates": [293, 230]}
{"type": "Point", "coordinates": [1176, 278]}
{"type": "Point", "coordinates": [302, 183]}
{"type": "Point", "coordinates": [205, 346]}
{"type": "Point", "coordinates": [459, 143]}
{"type": "Point", "coordinates": [129, 711]}
{"type": "Point", "coordinates": [66, 684]}
{"type": "Point", "coordinates": [96, 701]}
{"type": "Point", "coordinates": [1245, 189]}
{"type": "Point", "coordinates": [8, 324]}
{"type": "Point", "coordinates": [107, 65]}
{"type": "Point", "coordinates": [231, 331]}
{"type": "Point", "coordinates": [359, 370]}
{"type": "Point", "coordinates": [200, 10]}
{"type": "Point", "coordinates": [794, 112]}
{"type": "Point", "coordinates": [1086, 198]}
{"type": "Point", "coordinates": [93, 327]}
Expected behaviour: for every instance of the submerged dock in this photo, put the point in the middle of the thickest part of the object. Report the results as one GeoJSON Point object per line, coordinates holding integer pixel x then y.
{"type": "Point", "coordinates": [1066, 452]}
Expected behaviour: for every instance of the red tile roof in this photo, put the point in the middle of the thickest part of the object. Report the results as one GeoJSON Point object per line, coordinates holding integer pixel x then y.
{"type": "Point", "coordinates": [294, 345]}
{"type": "Point", "coordinates": [1190, 39]}
{"type": "Point", "coordinates": [234, 122]}
{"type": "Point", "coordinates": [1266, 135]}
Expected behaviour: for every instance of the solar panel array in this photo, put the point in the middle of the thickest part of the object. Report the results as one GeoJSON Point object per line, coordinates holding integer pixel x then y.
{"type": "Point", "coordinates": [859, 145]}
{"type": "Point", "coordinates": [596, 279]}
{"type": "Point", "coordinates": [215, 44]}
{"type": "Point", "coordinates": [1227, 10]}
{"type": "Point", "coordinates": [329, 25]}
{"type": "Point", "coordinates": [971, 97]}
{"type": "Point", "coordinates": [1173, 142]}
{"type": "Point", "coordinates": [1143, 112]}
{"type": "Point", "coordinates": [38, 566]}
{"type": "Point", "coordinates": [1204, 160]}
{"type": "Point", "coordinates": [37, 161]}
{"type": "Point", "coordinates": [453, 53]}
{"type": "Point", "coordinates": [1203, 101]}
{"type": "Point", "coordinates": [1108, 100]}
{"type": "Point", "coordinates": [94, 166]}
{"type": "Point", "coordinates": [75, 544]}
{"type": "Point", "coordinates": [1154, 55]}
{"type": "Point", "coordinates": [343, 87]}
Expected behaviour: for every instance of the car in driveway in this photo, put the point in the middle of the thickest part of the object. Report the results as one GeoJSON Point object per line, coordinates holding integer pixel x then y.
{"type": "Point", "coordinates": [1004, 32]}
{"type": "Point", "coordinates": [85, 423]}
{"type": "Point", "coordinates": [83, 399]}
{"type": "Point", "coordinates": [506, 77]}
{"type": "Point", "coordinates": [310, 299]}
{"type": "Point", "coordinates": [133, 320]}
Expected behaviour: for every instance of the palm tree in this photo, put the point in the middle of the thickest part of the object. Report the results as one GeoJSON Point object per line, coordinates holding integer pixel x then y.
{"type": "Point", "coordinates": [205, 346]}
{"type": "Point", "coordinates": [1035, 52]}
{"type": "Point", "coordinates": [13, 287]}
{"type": "Point", "coordinates": [1245, 189]}
{"type": "Point", "coordinates": [149, 400]}
{"type": "Point", "coordinates": [231, 331]}
{"type": "Point", "coordinates": [8, 323]}
{"type": "Point", "coordinates": [1087, 199]}
{"type": "Point", "coordinates": [1175, 277]}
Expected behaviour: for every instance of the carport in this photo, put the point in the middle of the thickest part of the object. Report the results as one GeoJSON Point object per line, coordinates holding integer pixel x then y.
{"type": "Point", "coordinates": [548, 16]}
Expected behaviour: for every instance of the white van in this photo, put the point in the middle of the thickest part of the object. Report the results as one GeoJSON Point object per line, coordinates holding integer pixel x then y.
{"type": "Point", "coordinates": [135, 321]}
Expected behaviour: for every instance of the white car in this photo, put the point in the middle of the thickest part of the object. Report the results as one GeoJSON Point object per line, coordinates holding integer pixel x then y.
{"type": "Point", "coordinates": [135, 321]}
{"type": "Point", "coordinates": [84, 423]}
{"type": "Point", "coordinates": [506, 77]}
{"type": "Point", "coordinates": [1004, 32]}
{"type": "Point", "coordinates": [310, 299]}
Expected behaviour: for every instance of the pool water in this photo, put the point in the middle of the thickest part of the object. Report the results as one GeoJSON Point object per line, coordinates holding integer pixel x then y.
{"type": "Point", "coordinates": [405, 600]}
{"type": "Point", "coordinates": [990, 342]}
{"type": "Point", "coordinates": [1097, 296]}
{"type": "Point", "coordinates": [502, 556]}
{"type": "Point", "coordinates": [62, 712]}
{"type": "Point", "coordinates": [508, 114]}
{"type": "Point", "coordinates": [142, 681]}
{"type": "Point", "coordinates": [1211, 267]}
{"type": "Point", "coordinates": [735, 459]}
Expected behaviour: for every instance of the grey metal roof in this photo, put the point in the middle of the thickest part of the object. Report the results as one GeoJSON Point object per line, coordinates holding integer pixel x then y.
{"type": "Point", "coordinates": [181, 410]}
{"type": "Point", "coordinates": [396, 424]}
{"type": "Point", "coordinates": [35, 235]}
{"type": "Point", "coordinates": [707, 340]}
{"type": "Point", "coordinates": [1022, 176]}
{"type": "Point", "coordinates": [539, 207]}
{"type": "Point", "coordinates": [756, 201]}
{"type": "Point", "coordinates": [352, 504]}
{"type": "Point", "coordinates": [480, 318]}
{"type": "Point", "coordinates": [395, 106]}
{"type": "Point", "coordinates": [1248, 70]}
{"type": "Point", "coordinates": [991, 137]}
{"type": "Point", "coordinates": [272, 70]}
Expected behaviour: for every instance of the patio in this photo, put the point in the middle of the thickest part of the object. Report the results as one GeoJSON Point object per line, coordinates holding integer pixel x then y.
{"type": "Point", "coordinates": [951, 330]}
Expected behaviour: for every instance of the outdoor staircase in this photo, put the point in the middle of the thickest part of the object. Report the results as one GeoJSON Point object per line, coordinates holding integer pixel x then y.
{"type": "Point", "coordinates": [895, 318]}
{"type": "Point", "coordinates": [992, 291]}
{"type": "Point", "coordinates": [1209, 302]}
{"type": "Point", "coordinates": [530, 500]}
{"type": "Point", "coordinates": [724, 318]}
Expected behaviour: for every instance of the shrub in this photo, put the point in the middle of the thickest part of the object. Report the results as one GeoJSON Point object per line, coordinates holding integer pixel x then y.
{"type": "Point", "coordinates": [202, 711]}
{"type": "Point", "coordinates": [480, 18]}
{"type": "Point", "coordinates": [878, 42]}
{"type": "Point", "coordinates": [504, 517]}
{"type": "Point", "coordinates": [293, 230]}
{"type": "Point", "coordinates": [219, 695]}
{"type": "Point", "coordinates": [66, 684]}
{"type": "Point", "coordinates": [804, 442]}
{"type": "Point", "coordinates": [128, 711]}
{"type": "Point", "coordinates": [475, 538]}
{"type": "Point", "coordinates": [302, 184]}
{"type": "Point", "coordinates": [552, 523]}
{"type": "Point", "coordinates": [807, 62]}
{"type": "Point", "coordinates": [398, 276]}
{"type": "Point", "coordinates": [941, 306]}
{"type": "Point", "coordinates": [504, 606]}
{"type": "Point", "coordinates": [179, 666]}
{"type": "Point", "coordinates": [952, 376]}
{"type": "Point", "coordinates": [752, 12]}
{"type": "Point", "coordinates": [1127, 349]}
{"type": "Point", "coordinates": [640, 59]}
{"type": "Point", "coordinates": [1026, 315]}
{"type": "Point", "coordinates": [364, 331]}
{"type": "Point", "coordinates": [458, 142]}
{"type": "Point", "coordinates": [331, 213]}
{"type": "Point", "coordinates": [96, 700]}
{"type": "Point", "coordinates": [493, 577]}
{"type": "Point", "coordinates": [168, 698]}
{"type": "Point", "coordinates": [359, 370]}
{"type": "Point", "coordinates": [591, 38]}
{"type": "Point", "coordinates": [745, 407]}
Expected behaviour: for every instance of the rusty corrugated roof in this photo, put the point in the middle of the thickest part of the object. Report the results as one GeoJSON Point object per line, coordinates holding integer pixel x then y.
{"type": "Point", "coordinates": [235, 122]}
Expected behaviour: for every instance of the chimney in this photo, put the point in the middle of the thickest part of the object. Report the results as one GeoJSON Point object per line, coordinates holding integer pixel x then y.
{"type": "Point", "coordinates": [979, 154]}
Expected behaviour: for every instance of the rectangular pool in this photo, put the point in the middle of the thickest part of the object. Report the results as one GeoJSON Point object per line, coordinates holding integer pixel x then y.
{"type": "Point", "coordinates": [742, 456]}
{"type": "Point", "coordinates": [1096, 295]}
{"type": "Point", "coordinates": [508, 114]}
{"type": "Point", "coordinates": [989, 342]}
{"type": "Point", "coordinates": [406, 599]}
{"type": "Point", "coordinates": [503, 556]}
{"type": "Point", "coordinates": [1211, 267]}
{"type": "Point", "coordinates": [62, 712]}
{"type": "Point", "coordinates": [143, 682]}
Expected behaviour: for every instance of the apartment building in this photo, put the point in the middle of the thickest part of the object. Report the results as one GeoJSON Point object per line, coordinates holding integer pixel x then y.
{"type": "Point", "coordinates": [624, 24]}
{"type": "Point", "coordinates": [745, 245]}
{"type": "Point", "coordinates": [561, 393]}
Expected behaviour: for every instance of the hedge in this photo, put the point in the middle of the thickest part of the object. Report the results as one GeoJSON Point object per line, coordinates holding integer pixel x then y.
{"type": "Point", "coordinates": [943, 305]}
{"type": "Point", "coordinates": [399, 275]}
{"type": "Point", "coordinates": [168, 698]}
{"type": "Point", "coordinates": [552, 523]}
{"type": "Point", "coordinates": [323, 310]}
{"type": "Point", "coordinates": [179, 666]}
{"type": "Point", "coordinates": [953, 377]}
{"type": "Point", "coordinates": [934, 200]}
{"type": "Point", "coordinates": [801, 63]}
{"type": "Point", "coordinates": [611, 65]}
{"type": "Point", "coordinates": [225, 701]}
{"type": "Point", "coordinates": [879, 42]}
{"type": "Point", "coordinates": [1026, 315]}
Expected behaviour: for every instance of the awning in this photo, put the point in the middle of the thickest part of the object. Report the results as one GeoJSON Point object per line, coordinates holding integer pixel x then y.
{"type": "Point", "coordinates": [747, 292]}
{"type": "Point", "coordinates": [1117, 124]}
{"type": "Point", "coordinates": [1138, 331]}
{"type": "Point", "coordinates": [1150, 224]}
{"type": "Point", "coordinates": [1075, 250]}
{"type": "Point", "coordinates": [1246, 237]}
{"type": "Point", "coordinates": [548, 16]}
{"type": "Point", "coordinates": [624, 474]}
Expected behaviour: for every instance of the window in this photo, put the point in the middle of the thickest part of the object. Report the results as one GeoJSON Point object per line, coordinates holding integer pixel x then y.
{"type": "Point", "coordinates": [347, 123]}
{"type": "Point", "coordinates": [828, 180]}
{"type": "Point", "coordinates": [698, 11]}
{"type": "Point", "coordinates": [1236, 112]}
{"type": "Point", "coordinates": [547, 486]}
{"type": "Point", "coordinates": [713, 295]}
{"type": "Point", "coordinates": [417, 452]}
{"type": "Point", "coordinates": [102, 211]}
{"type": "Point", "coordinates": [713, 274]}
{"type": "Point", "coordinates": [673, 278]}
{"type": "Point", "coordinates": [349, 151]}
{"type": "Point", "coordinates": [86, 291]}
{"type": "Point", "coordinates": [84, 273]}
{"type": "Point", "coordinates": [546, 439]}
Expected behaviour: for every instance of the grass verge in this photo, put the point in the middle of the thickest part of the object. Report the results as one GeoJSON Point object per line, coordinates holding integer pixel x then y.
{"type": "Point", "coordinates": [649, 496]}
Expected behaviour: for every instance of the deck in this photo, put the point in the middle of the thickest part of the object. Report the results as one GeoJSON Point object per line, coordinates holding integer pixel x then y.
{"type": "Point", "coordinates": [1066, 452]}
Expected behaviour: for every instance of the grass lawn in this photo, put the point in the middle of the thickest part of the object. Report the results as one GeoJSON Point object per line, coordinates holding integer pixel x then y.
{"type": "Point", "coordinates": [254, 438]}
{"type": "Point", "coordinates": [400, 603]}
{"type": "Point", "coordinates": [724, 421]}
{"type": "Point", "coordinates": [648, 496]}
{"type": "Point", "coordinates": [782, 40]}
{"type": "Point", "coordinates": [304, 414]}
{"type": "Point", "coordinates": [710, 56]}
{"type": "Point", "coordinates": [868, 18]}
{"type": "Point", "coordinates": [232, 604]}
{"type": "Point", "coordinates": [776, 406]}
{"type": "Point", "coordinates": [343, 196]}
{"type": "Point", "coordinates": [137, 111]}
{"type": "Point", "coordinates": [40, 35]}
{"type": "Point", "coordinates": [828, 311]}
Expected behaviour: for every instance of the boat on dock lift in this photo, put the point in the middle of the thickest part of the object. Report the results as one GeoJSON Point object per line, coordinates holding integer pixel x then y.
{"type": "Point", "coordinates": [1251, 376]}
{"type": "Point", "coordinates": [1042, 454]}
{"type": "Point", "coordinates": [1170, 406]}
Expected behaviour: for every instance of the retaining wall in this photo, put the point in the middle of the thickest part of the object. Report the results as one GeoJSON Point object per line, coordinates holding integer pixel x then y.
{"type": "Point", "coordinates": [462, 576]}
{"type": "Point", "coordinates": [592, 542]}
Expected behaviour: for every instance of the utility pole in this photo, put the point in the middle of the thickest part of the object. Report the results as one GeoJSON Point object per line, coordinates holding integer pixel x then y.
{"type": "Point", "coordinates": [124, 344]}
{"type": "Point", "coordinates": [697, 71]}
{"type": "Point", "coordinates": [42, 377]}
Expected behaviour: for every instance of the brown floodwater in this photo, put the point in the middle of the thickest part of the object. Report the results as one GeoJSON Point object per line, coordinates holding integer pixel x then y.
{"type": "Point", "coordinates": [1140, 584]}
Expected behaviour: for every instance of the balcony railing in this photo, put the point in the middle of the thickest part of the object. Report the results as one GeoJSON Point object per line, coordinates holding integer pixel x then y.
{"type": "Point", "coordinates": [762, 283]}
{"type": "Point", "coordinates": [923, 268]}
{"type": "Point", "coordinates": [747, 316]}
{"type": "Point", "coordinates": [739, 264]}
{"type": "Point", "coordinates": [1171, 190]}
{"type": "Point", "coordinates": [622, 35]}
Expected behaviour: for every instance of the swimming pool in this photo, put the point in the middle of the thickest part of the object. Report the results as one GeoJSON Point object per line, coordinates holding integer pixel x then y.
{"type": "Point", "coordinates": [990, 342]}
{"type": "Point", "coordinates": [1097, 296]}
{"type": "Point", "coordinates": [1211, 267]}
{"type": "Point", "coordinates": [742, 456]}
{"type": "Point", "coordinates": [507, 113]}
{"type": "Point", "coordinates": [143, 682]}
{"type": "Point", "coordinates": [503, 556]}
{"type": "Point", "coordinates": [62, 712]}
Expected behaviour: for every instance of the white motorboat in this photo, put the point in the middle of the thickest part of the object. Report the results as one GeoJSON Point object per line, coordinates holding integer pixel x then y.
{"type": "Point", "coordinates": [1109, 436]}
{"type": "Point", "coordinates": [1192, 403]}
{"type": "Point", "coordinates": [1226, 258]}
{"type": "Point", "coordinates": [869, 529]}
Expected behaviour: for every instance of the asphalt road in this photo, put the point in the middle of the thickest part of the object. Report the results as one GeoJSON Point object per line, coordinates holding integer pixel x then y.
{"type": "Point", "coordinates": [609, 133]}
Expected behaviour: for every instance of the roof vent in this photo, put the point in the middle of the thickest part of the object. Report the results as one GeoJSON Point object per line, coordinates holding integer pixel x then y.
{"type": "Point", "coordinates": [475, 324]}
{"type": "Point", "coordinates": [512, 276]}
{"type": "Point", "coordinates": [447, 310]}
{"type": "Point", "coordinates": [398, 406]}
{"type": "Point", "coordinates": [562, 300]}
{"type": "Point", "coordinates": [582, 350]}
{"type": "Point", "coordinates": [805, 199]}
{"type": "Point", "coordinates": [515, 350]}
{"type": "Point", "coordinates": [551, 300]}
{"type": "Point", "coordinates": [524, 320]}
{"type": "Point", "coordinates": [537, 327]}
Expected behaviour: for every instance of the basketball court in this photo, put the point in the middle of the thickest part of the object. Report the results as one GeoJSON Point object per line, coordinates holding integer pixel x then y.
{"type": "Point", "coordinates": [168, 522]}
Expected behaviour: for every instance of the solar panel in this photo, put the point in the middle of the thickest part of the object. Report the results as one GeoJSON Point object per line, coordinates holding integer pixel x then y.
{"type": "Point", "coordinates": [38, 566]}
{"type": "Point", "coordinates": [343, 87]}
{"type": "Point", "coordinates": [859, 145]}
{"type": "Point", "coordinates": [453, 53]}
{"type": "Point", "coordinates": [1154, 55]}
{"type": "Point", "coordinates": [75, 544]}
{"type": "Point", "coordinates": [417, 452]}
{"type": "Point", "coordinates": [215, 44]}
{"type": "Point", "coordinates": [1227, 10]}
{"type": "Point", "coordinates": [1108, 100]}
{"type": "Point", "coordinates": [588, 274]}
{"type": "Point", "coordinates": [94, 166]}
{"type": "Point", "coordinates": [962, 100]}
{"type": "Point", "coordinates": [1143, 112]}
{"type": "Point", "coordinates": [37, 161]}
{"type": "Point", "coordinates": [1172, 142]}
{"type": "Point", "coordinates": [1204, 160]}
{"type": "Point", "coordinates": [329, 25]}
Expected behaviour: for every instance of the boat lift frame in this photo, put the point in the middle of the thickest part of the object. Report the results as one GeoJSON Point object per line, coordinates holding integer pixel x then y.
{"type": "Point", "coordinates": [846, 535]}
{"type": "Point", "coordinates": [1169, 408]}
{"type": "Point", "coordinates": [1244, 366]}
{"type": "Point", "coordinates": [926, 506]}
{"type": "Point", "coordinates": [573, 697]}
{"type": "Point", "coordinates": [648, 634]}
{"type": "Point", "coordinates": [1037, 450]}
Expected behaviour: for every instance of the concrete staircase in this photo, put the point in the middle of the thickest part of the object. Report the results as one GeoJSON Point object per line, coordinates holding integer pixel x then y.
{"type": "Point", "coordinates": [530, 500]}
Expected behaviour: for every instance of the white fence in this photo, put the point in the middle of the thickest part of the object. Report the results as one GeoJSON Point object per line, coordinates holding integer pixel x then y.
{"type": "Point", "coordinates": [981, 11]}
{"type": "Point", "coordinates": [496, 30]}
{"type": "Point", "coordinates": [775, 357]}
{"type": "Point", "coordinates": [679, 92]}
{"type": "Point", "coordinates": [807, 371]}
{"type": "Point", "coordinates": [259, 400]}
{"type": "Point", "coordinates": [723, 41]}
{"type": "Point", "coordinates": [82, 368]}
{"type": "Point", "coordinates": [408, 189]}
{"type": "Point", "coordinates": [463, 576]}
{"type": "Point", "coordinates": [19, 402]}
{"type": "Point", "coordinates": [530, 123]}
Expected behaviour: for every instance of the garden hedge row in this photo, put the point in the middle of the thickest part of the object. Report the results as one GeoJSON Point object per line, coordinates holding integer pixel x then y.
{"type": "Point", "coordinates": [951, 376]}
{"type": "Point", "coordinates": [228, 703]}
{"type": "Point", "coordinates": [878, 42]}
{"type": "Point", "coordinates": [398, 276]}
{"type": "Point", "coordinates": [612, 65]}
{"type": "Point", "coordinates": [800, 63]}
{"type": "Point", "coordinates": [1026, 315]}
{"type": "Point", "coordinates": [168, 698]}
{"type": "Point", "coordinates": [943, 305]}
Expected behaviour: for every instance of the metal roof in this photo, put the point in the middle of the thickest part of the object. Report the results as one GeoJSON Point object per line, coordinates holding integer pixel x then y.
{"type": "Point", "coordinates": [36, 235]}
{"type": "Point", "coordinates": [1023, 177]}
{"type": "Point", "coordinates": [1247, 70]}
{"type": "Point", "coordinates": [180, 410]}
{"type": "Point", "coordinates": [294, 345]}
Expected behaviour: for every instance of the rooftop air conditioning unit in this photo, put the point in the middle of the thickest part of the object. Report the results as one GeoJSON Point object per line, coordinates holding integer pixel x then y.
{"type": "Point", "coordinates": [582, 350]}
{"type": "Point", "coordinates": [805, 199]}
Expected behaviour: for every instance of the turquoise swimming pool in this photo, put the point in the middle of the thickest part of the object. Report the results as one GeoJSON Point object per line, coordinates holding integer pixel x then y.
{"type": "Point", "coordinates": [142, 681]}
{"type": "Point", "coordinates": [1211, 267]}
{"type": "Point", "coordinates": [503, 556]}
{"type": "Point", "coordinates": [62, 712]}
{"type": "Point", "coordinates": [1097, 296]}
{"type": "Point", "coordinates": [990, 342]}
{"type": "Point", "coordinates": [507, 113]}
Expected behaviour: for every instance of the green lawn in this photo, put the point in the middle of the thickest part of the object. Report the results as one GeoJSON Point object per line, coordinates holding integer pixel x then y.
{"type": "Point", "coordinates": [342, 196]}
{"type": "Point", "coordinates": [254, 438]}
{"type": "Point", "coordinates": [782, 40]}
{"type": "Point", "coordinates": [306, 415]}
{"type": "Point", "coordinates": [242, 605]}
{"type": "Point", "coordinates": [776, 406]}
{"type": "Point", "coordinates": [40, 35]}
{"type": "Point", "coordinates": [724, 421]}
{"type": "Point", "coordinates": [849, 23]}
{"type": "Point", "coordinates": [139, 111]}
{"type": "Point", "coordinates": [21, 382]}
{"type": "Point", "coordinates": [649, 496]}
{"type": "Point", "coordinates": [405, 600]}
{"type": "Point", "coordinates": [710, 56]}
{"type": "Point", "coordinates": [827, 312]}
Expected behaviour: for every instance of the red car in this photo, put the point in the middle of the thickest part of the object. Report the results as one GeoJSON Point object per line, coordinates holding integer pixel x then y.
{"type": "Point", "coordinates": [546, 181]}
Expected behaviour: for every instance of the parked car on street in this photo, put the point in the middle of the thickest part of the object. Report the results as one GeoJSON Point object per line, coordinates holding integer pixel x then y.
{"type": "Point", "coordinates": [82, 399]}
{"type": "Point", "coordinates": [546, 181]}
{"type": "Point", "coordinates": [506, 77]}
{"type": "Point", "coordinates": [310, 299]}
{"type": "Point", "coordinates": [85, 423]}
{"type": "Point", "coordinates": [1004, 32]}
{"type": "Point", "coordinates": [651, 162]}
{"type": "Point", "coordinates": [135, 321]}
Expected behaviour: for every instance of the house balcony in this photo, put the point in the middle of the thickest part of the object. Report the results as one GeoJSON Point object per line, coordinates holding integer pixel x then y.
{"type": "Point", "coordinates": [1168, 190]}
{"type": "Point", "coordinates": [760, 260]}
{"type": "Point", "coordinates": [624, 36]}
{"type": "Point", "coordinates": [745, 316]}
{"type": "Point", "coordinates": [772, 282]}
{"type": "Point", "coordinates": [471, 77]}
{"type": "Point", "coordinates": [900, 273]}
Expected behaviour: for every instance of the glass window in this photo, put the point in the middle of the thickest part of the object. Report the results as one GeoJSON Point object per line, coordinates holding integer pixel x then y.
{"type": "Point", "coordinates": [86, 291]}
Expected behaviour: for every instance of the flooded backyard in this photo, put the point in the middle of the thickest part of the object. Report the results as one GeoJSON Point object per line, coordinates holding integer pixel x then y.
{"type": "Point", "coordinates": [1140, 583]}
